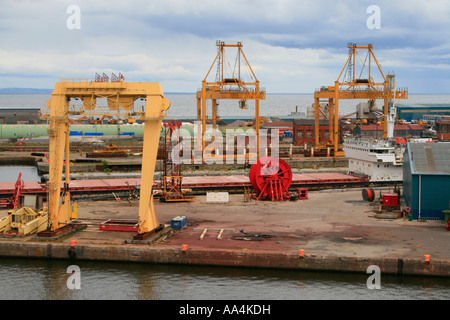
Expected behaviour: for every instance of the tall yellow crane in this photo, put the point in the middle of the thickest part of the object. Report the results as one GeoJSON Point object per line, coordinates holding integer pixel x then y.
{"type": "Point", "coordinates": [121, 96]}
{"type": "Point", "coordinates": [351, 85]}
{"type": "Point", "coordinates": [232, 87]}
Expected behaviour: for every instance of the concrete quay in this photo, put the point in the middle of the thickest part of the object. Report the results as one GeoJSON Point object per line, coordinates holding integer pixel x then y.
{"type": "Point", "coordinates": [336, 229]}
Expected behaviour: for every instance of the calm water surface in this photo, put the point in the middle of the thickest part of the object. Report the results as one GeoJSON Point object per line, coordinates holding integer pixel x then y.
{"type": "Point", "coordinates": [274, 105]}
{"type": "Point", "coordinates": [47, 279]}
{"type": "Point", "coordinates": [11, 173]}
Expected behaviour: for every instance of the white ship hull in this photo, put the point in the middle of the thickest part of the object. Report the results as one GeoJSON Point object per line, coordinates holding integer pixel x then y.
{"type": "Point", "coordinates": [378, 160]}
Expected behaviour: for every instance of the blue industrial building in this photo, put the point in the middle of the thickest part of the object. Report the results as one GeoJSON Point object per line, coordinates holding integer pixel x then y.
{"type": "Point", "coordinates": [426, 179]}
{"type": "Point", "coordinates": [418, 111]}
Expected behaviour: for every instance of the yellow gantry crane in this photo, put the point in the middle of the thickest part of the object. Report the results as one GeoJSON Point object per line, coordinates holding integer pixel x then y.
{"type": "Point", "coordinates": [351, 85]}
{"type": "Point", "coordinates": [232, 87]}
{"type": "Point", "coordinates": [120, 96]}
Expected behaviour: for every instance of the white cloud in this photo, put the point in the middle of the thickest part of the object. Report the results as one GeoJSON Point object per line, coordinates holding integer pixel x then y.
{"type": "Point", "coordinates": [293, 46]}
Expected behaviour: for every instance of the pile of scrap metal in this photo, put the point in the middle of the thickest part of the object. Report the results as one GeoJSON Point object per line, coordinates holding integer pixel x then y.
{"type": "Point", "coordinates": [110, 151]}
{"type": "Point", "coordinates": [251, 236]}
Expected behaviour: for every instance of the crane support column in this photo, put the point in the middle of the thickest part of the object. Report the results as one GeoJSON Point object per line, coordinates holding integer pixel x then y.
{"type": "Point", "coordinates": [148, 219]}
{"type": "Point", "coordinates": [330, 118]}
{"type": "Point", "coordinates": [336, 119]}
{"type": "Point", "coordinates": [386, 111]}
{"type": "Point", "coordinates": [316, 121]}
{"type": "Point", "coordinates": [58, 132]}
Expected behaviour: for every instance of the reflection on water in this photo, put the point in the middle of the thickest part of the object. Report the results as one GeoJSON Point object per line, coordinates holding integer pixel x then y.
{"type": "Point", "coordinates": [46, 279]}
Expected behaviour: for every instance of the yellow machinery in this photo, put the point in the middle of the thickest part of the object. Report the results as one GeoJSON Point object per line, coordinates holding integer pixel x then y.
{"type": "Point", "coordinates": [131, 120]}
{"type": "Point", "coordinates": [353, 86]}
{"type": "Point", "coordinates": [228, 88]}
{"type": "Point", "coordinates": [24, 221]}
{"type": "Point", "coordinates": [109, 151]}
{"type": "Point", "coordinates": [120, 96]}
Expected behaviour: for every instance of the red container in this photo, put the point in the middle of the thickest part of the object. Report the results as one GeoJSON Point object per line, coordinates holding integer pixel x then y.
{"type": "Point", "coordinates": [119, 226]}
{"type": "Point", "coordinates": [390, 199]}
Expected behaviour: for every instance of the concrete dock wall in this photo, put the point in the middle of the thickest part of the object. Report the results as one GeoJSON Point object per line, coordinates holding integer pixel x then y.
{"type": "Point", "coordinates": [218, 257]}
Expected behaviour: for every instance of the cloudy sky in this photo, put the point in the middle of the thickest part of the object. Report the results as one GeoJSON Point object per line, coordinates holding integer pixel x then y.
{"type": "Point", "coordinates": [293, 46]}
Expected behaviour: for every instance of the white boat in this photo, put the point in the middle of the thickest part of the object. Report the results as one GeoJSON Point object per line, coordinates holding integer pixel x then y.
{"type": "Point", "coordinates": [378, 160]}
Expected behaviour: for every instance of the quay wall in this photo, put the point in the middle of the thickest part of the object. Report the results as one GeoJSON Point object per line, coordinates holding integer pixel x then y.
{"type": "Point", "coordinates": [144, 253]}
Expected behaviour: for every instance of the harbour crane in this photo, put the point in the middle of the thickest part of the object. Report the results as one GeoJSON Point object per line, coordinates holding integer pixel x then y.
{"type": "Point", "coordinates": [232, 87]}
{"type": "Point", "coordinates": [121, 96]}
{"type": "Point", "coordinates": [350, 85]}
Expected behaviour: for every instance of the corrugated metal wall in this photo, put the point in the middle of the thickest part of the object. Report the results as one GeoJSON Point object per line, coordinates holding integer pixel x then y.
{"type": "Point", "coordinates": [426, 194]}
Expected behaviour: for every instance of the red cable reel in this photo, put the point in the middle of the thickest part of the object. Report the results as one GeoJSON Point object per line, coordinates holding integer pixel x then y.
{"type": "Point", "coordinates": [271, 179]}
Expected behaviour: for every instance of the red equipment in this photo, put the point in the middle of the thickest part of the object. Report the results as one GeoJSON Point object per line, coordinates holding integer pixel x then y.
{"type": "Point", "coordinates": [390, 199]}
{"type": "Point", "coordinates": [271, 179]}
{"type": "Point", "coordinates": [14, 201]}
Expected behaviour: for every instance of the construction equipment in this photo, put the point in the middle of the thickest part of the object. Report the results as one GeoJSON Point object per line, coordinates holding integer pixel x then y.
{"type": "Point", "coordinates": [271, 179]}
{"type": "Point", "coordinates": [172, 188]}
{"type": "Point", "coordinates": [14, 201]}
{"type": "Point", "coordinates": [92, 120]}
{"type": "Point", "coordinates": [131, 120]}
{"type": "Point", "coordinates": [24, 221]}
{"type": "Point", "coordinates": [231, 87]}
{"type": "Point", "coordinates": [262, 120]}
{"type": "Point", "coordinates": [353, 86]}
{"type": "Point", "coordinates": [109, 151]}
{"type": "Point", "coordinates": [120, 96]}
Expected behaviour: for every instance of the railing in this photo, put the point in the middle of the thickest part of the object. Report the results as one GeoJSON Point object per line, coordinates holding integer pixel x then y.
{"type": "Point", "coordinates": [75, 80]}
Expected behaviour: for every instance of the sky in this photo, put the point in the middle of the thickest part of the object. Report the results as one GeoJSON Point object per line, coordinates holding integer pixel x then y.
{"type": "Point", "coordinates": [293, 46]}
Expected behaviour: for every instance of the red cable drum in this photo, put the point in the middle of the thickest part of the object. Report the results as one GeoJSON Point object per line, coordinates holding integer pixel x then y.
{"type": "Point", "coordinates": [368, 194]}
{"type": "Point", "coordinates": [271, 178]}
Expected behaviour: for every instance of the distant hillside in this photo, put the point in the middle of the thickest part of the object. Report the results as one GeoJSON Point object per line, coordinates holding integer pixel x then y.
{"type": "Point", "coordinates": [25, 90]}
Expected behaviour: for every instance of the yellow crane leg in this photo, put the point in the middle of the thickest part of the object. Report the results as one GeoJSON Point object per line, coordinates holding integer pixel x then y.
{"type": "Point", "coordinates": [148, 220]}
{"type": "Point", "coordinates": [58, 132]}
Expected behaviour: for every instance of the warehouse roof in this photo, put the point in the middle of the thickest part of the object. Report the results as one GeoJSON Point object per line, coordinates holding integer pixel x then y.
{"type": "Point", "coordinates": [430, 158]}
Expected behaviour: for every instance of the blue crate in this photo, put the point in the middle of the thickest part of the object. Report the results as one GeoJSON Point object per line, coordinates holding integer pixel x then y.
{"type": "Point", "coordinates": [183, 221]}
{"type": "Point", "coordinates": [178, 222]}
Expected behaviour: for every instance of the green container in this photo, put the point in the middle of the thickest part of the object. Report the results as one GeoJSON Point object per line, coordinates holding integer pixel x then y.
{"type": "Point", "coordinates": [410, 218]}
{"type": "Point", "coordinates": [447, 214]}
